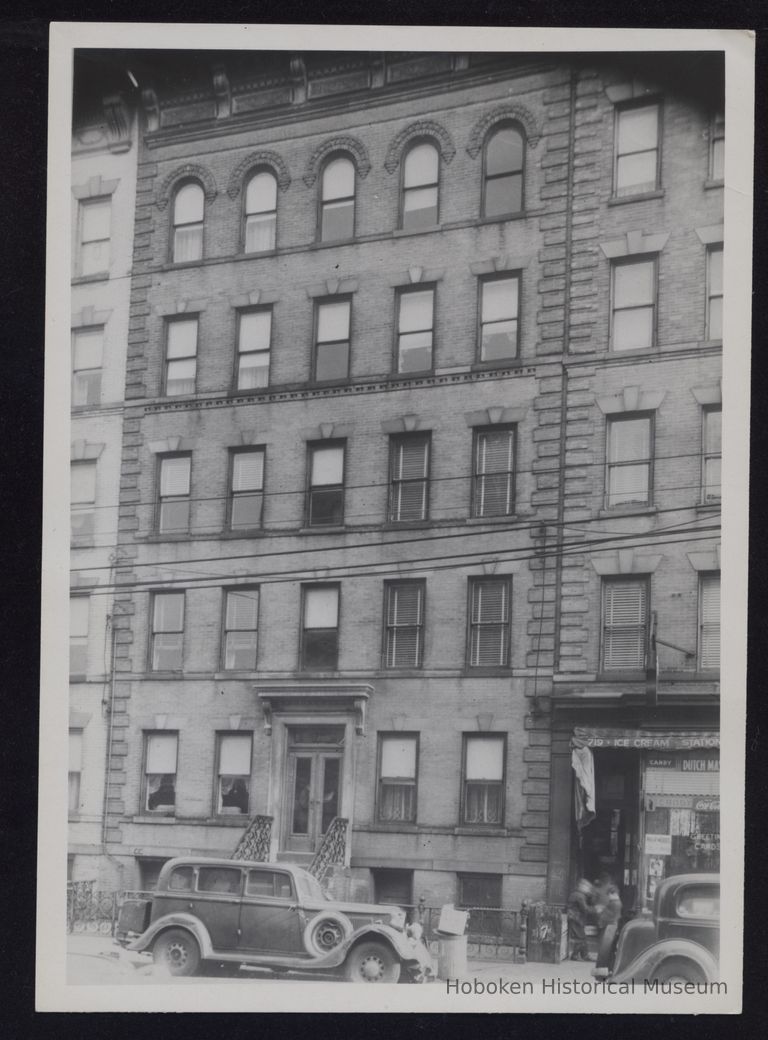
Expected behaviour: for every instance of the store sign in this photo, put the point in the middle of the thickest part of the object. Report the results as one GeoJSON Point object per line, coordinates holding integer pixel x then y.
{"type": "Point", "coordinates": [638, 739]}
{"type": "Point", "coordinates": [706, 842]}
{"type": "Point", "coordinates": [707, 805]}
{"type": "Point", "coordinates": [681, 801]}
{"type": "Point", "coordinates": [700, 765]}
{"type": "Point", "coordinates": [658, 844]}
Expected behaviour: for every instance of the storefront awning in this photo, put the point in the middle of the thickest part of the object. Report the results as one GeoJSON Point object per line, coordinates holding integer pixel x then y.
{"type": "Point", "coordinates": [644, 739]}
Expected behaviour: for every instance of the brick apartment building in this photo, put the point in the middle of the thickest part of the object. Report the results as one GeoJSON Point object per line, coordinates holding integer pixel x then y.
{"type": "Point", "coordinates": [419, 498]}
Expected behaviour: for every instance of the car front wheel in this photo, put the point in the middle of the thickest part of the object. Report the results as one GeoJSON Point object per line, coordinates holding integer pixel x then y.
{"type": "Point", "coordinates": [678, 969]}
{"type": "Point", "coordinates": [371, 962]}
{"type": "Point", "coordinates": [177, 952]}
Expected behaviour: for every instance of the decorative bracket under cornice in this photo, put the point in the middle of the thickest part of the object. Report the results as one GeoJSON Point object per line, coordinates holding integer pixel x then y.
{"type": "Point", "coordinates": [319, 697]}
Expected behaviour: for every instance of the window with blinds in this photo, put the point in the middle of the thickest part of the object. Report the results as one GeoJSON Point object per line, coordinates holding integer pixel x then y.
{"type": "Point", "coordinates": [709, 622]}
{"type": "Point", "coordinates": [167, 631]}
{"type": "Point", "coordinates": [320, 628]}
{"type": "Point", "coordinates": [173, 513]}
{"type": "Point", "coordinates": [489, 622]}
{"type": "Point", "coordinates": [241, 618]}
{"type": "Point", "coordinates": [233, 772]}
{"type": "Point", "coordinates": [246, 488]}
{"type": "Point", "coordinates": [160, 754]}
{"type": "Point", "coordinates": [404, 637]}
{"type": "Point", "coordinates": [409, 478]}
{"type": "Point", "coordinates": [398, 756]}
{"type": "Point", "coordinates": [483, 778]}
{"type": "Point", "coordinates": [325, 500]}
{"type": "Point", "coordinates": [494, 461]}
{"type": "Point", "coordinates": [625, 624]}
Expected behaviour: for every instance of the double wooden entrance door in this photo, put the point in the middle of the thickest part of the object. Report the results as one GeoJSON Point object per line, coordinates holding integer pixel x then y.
{"type": "Point", "coordinates": [313, 785]}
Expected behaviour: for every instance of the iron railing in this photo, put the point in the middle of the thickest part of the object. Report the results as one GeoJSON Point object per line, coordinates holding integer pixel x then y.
{"type": "Point", "coordinates": [332, 849]}
{"type": "Point", "coordinates": [255, 842]}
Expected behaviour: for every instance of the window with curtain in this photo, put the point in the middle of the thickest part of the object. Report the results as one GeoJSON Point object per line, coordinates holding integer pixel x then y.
{"type": "Point", "coordinates": [499, 306]}
{"type": "Point", "coordinates": [712, 422]}
{"type": "Point", "coordinates": [633, 305]}
{"type": "Point", "coordinates": [79, 609]}
{"type": "Point", "coordinates": [83, 499]}
{"type": "Point", "coordinates": [246, 488]}
{"type": "Point", "coordinates": [409, 477]}
{"type": "Point", "coordinates": [636, 163]}
{"type": "Point", "coordinates": [715, 292]}
{"type": "Point", "coordinates": [188, 216]}
{"type": "Point", "coordinates": [493, 491]}
{"type": "Point", "coordinates": [234, 772]}
{"type": "Point", "coordinates": [337, 200]}
{"type": "Point", "coordinates": [87, 354]}
{"type": "Point", "coordinates": [160, 753]}
{"type": "Point", "coordinates": [241, 623]}
{"type": "Point", "coordinates": [709, 622]}
{"type": "Point", "coordinates": [628, 477]}
{"type": "Point", "coordinates": [332, 339]}
{"type": "Point", "coordinates": [404, 637]}
{"type": "Point", "coordinates": [167, 631]}
{"type": "Point", "coordinates": [421, 172]}
{"type": "Point", "coordinates": [398, 755]}
{"type": "Point", "coordinates": [75, 769]}
{"type": "Point", "coordinates": [181, 356]}
{"type": "Point", "coordinates": [95, 232]}
{"type": "Point", "coordinates": [174, 494]}
{"type": "Point", "coordinates": [261, 212]}
{"type": "Point", "coordinates": [483, 779]}
{"type": "Point", "coordinates": [320, 628]}
{"type": "Point", "coordinates": [489, 623]}
{"type": "Point", "coordinates": [254, 336]}
{"type": "Point", "coordinates": [625, 624]}
{"type": "Point", "coordinates": [325, 504]}
{"type": "Point", "coordinates": [415, 327]}
{"type": "Point", "coordinates": [504, 165]}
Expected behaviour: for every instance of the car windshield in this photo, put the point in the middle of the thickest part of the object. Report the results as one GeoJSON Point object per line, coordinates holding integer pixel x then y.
{"type": "Point", "coordinates": [309, 886]}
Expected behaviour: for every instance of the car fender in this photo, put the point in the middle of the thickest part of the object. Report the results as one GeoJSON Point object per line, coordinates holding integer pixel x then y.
{"type": "Point", "coordinates": [647, 962]}
{"type": "Point", "coordinates": [403, 947]}
{"type": "Point", "coordinates": [178, 920]}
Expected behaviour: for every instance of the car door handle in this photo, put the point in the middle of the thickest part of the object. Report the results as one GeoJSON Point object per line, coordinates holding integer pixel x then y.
{"type": "Point", "coordinates": [294, 907]}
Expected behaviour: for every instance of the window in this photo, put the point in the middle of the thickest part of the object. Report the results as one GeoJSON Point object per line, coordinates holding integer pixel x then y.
{"type": "Point", "coordinates": [233, 772]}
{"type": "Point", "coordinates": [332, 340]}
{"type": "Point", "coordinates": [174, 503]}
{"type": "Point", "coordinates": [260, 213]}
{"type": "Point", "coordinates": [83, 499]}
{"type": "Point", "coordinates": [320, 628]}
{"type": "Point", "coordinates": [483, 779]}
{"type": "Point", "coordinates": [712, 419]}
{"type": "Point", "coordinates": [489, 623]}
{"type": "Point", "coordinates": [717, 147]}
{"type": "Point", "coordinates": [393, 886]}
{"type": "Point", "coordinates": [325, 498]}
{"type": "Point", "coordinates": [415, 325]}
{"type": "Point", "coordinates": [95, 221]}
{"type": "Point", "coordinates": [633, 311]}
{"type": "Point", "coordinates": [75, 769]}
{"type": "Point", "coordinates": [628, 477]}
{"type": "Point", "coordinates": [181, 356]}
{"type": "Point", "coordinates": [409, 477]}
{"type": "Point", "coordinates": [398, 754]}
{"type": "Point", "coordinates": [499, 306]}
{"type": "Point", "coordinates": [503, 176]}
{"type": "Point", "coordinates": [87, 353]}
{"type": "Point", "coordinates": [79, 607]}
{"type": "Point", "coordinates": [709, 622]}
{"type": "Point", "coordinates": [254, 334]}
{"type": "Point", "coordinates": [241, 623]}
{"type": "Point", "coordinates": [188, 212]}
{"type": "Point", "coordinates": [404, 633]}
{"type": "Point", "coordinates": [493, 489]}
{"type": "Point", "coordinates": [625, 624]}
{"type": "Point", "coordinates": [477, 890]}
{"type": "Point", "coordinates": [167, 631]}
{"type": "Point", "coordinates": [247, 489]}
{"type": "Point", "coordinates": [337, 206]}
{"type": "Point", "coordinates": [715, 292]}
{"type": "Point", "coordinates": [160, 751]}
{"type": "Point", "coordinates": [421, 172]}
{"type": "Point", "coordinates": [272, 884]}
{"type": "Point", "coordinates": [149, 872]}
{"type": "Point", "coordinates": [637, 150]}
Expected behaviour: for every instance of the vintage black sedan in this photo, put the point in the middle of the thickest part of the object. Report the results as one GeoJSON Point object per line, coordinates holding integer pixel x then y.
{"type": "Point", "coordinates": [679, 941]}
{"type": "Point", "coordinates": [227, 913]}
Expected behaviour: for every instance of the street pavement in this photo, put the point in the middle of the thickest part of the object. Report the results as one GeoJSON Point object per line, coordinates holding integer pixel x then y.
{"type": "Point", "coordinates": [96, 960]}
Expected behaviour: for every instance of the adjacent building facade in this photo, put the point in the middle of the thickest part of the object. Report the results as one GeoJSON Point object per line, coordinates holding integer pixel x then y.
{"type": "Point", "coordinates": [419, 498]}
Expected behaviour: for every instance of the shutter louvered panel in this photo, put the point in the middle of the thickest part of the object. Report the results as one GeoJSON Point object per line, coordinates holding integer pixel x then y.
{"type": "Point", "coordinates": [174, 476]}
{"type": "Point", "coordinates": [494, 452]}
{"type": "Point", "coordinates": [404, 648]}
{"type": "Point", "coordinates": [405, 604]}
{"type": "Point", "coordinates": [490, 602]}
{"type": "Point", "coordinates": [411, 501]}
{"type": "Point", "coordinates": [242, 609]}
{"type": "Point", "coordinates": [248, 471]}
{"type": "Point", "coordinates": [411, 460]}
{"type": "Point", "coordinates": [625, 615]}
{"type": "Point", "coordinates": [710, 621]}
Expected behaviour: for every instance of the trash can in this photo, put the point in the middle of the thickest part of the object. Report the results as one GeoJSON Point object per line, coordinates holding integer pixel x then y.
{"type": "Point", "coordinates": [452, 957]}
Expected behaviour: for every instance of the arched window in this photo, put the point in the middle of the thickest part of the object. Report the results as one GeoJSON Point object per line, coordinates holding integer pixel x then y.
{"type": "Point", "coordinates": [260, 212]}
{"type": "Point", "coordinates": [188, 210]}
{"type": "Point", "coordinates": [421, 172]}
{"type": "Point", "coordinates": [337, 205]}
{"type": "Point", "coordinates": [504, 160]}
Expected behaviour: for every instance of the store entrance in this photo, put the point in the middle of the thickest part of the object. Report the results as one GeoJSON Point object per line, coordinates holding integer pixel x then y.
{"type": "Point", "coordinates": [609, 843]}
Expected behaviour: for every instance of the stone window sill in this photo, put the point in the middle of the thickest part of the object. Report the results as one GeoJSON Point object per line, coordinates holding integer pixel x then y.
{"type": "Point", "coordinates": [627, 511]}
{"type": "Point", "coordinates": [486, 831]}
{"type": "Point", "coordinates": [709, 184]}
{"type": "Point", "coordinates": [709, 507]}
{"type": "Point", "coordinates": [86, 279]}
{"type": "Point", "coordinates": [621, 200]}
{"type": "Point", "coordinates": [477, 520]}
{"type": "Point", "coordinates": [160, 818]}
{"type": "Point", "coordinates": [405, 232]}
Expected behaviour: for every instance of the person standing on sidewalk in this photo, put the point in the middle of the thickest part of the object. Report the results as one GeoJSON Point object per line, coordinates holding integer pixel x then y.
{"type": "Point", "coordinates": [608, 905]}
{"type": "Point", "coordinates": [580, 910]}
